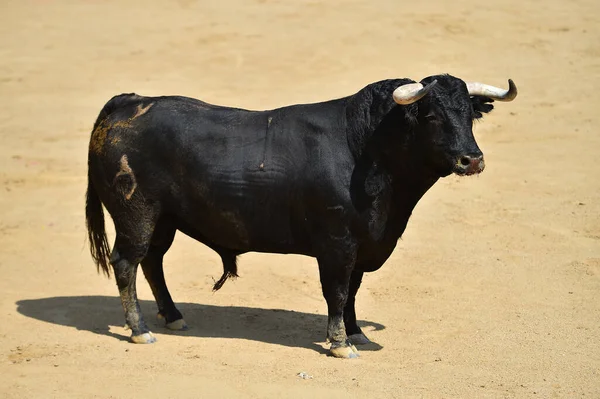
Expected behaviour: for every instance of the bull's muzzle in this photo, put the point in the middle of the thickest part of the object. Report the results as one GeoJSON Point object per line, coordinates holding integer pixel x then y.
{"type": "Point", "coordinates": [469, 165]}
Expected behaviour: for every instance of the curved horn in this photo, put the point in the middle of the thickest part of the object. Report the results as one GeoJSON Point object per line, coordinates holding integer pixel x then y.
{"type": "Point", "coordinates": [412, 92]}
{"type": "Point", "coordinates": [480, 89]}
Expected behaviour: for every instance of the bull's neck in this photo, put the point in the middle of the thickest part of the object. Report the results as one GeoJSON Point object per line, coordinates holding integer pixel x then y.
{"type": "Point", "coordinates": [395, 141]}
{"type": "Point", "coordinates": [366, 110]}
{"type": "Point", "coordinates": [383, 137]}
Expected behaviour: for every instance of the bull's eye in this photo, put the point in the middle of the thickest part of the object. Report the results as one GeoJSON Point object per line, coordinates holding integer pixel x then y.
{"type": "Point", "coordinates": [432, 118]}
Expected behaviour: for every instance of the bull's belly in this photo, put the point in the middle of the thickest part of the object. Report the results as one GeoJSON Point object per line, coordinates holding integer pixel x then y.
{"type": "Point", "coordinates": [248, 227]}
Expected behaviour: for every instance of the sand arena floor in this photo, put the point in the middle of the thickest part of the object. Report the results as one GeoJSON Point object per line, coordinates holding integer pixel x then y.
{"type": "Point", "coordinates": [494, 290]}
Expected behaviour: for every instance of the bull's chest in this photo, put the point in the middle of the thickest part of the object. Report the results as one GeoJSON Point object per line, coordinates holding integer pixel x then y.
{"type": "Point", "coordinates": [386, 221]}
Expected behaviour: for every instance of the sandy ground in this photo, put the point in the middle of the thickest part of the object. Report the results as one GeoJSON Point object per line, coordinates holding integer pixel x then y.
{"type": "Point", "coordinates": [494, 290]}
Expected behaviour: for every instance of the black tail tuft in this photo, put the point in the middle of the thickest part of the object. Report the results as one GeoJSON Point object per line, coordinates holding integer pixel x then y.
{"type": "Point", "coordinates": [94, 215]}
{"type": "Point", "coordinates": [229, 270]}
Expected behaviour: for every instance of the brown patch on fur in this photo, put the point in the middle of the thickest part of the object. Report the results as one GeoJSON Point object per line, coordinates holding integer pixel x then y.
{"type": "Point", "coordinates": [99, 137]}
{"type": "Point", "coordinates": [127, 171]}
{"type": "Point", "coordinates": [139, 111]}
{"type": "Point", "coordinates": [101, 132]}
{"type": "Point", "coordinates": [124, 124]}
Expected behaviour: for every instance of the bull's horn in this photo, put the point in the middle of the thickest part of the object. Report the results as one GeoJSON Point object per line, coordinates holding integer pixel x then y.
{"type": "Point", "coordinates": [411, 92]}
{"type": "Point", "coordinates": [480, 89]}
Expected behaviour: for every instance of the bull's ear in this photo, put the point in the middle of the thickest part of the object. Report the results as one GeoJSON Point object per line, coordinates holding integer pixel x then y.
{"type": "Point", "coordinates": [481, 105]}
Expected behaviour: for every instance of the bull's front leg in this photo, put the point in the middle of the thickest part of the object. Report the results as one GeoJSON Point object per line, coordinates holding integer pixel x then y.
{"type": "Point", "coordinates": [355, 334]}
{"type": "Point", "coordinates": [335, 268]}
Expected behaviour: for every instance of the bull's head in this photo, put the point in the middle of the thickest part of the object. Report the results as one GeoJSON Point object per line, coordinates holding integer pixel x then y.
{"type": "Point", "coordinates": [447, 107]}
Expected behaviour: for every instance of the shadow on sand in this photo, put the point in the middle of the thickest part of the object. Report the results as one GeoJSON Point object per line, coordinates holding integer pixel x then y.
{"type": "Point", "coordinates": [274, 326]}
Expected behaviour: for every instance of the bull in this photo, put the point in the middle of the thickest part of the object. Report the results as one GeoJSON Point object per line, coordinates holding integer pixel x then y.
{"type": "Point", "coordinates": [335, 180]}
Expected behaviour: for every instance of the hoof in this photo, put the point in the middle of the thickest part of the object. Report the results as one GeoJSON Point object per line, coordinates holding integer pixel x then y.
{"type": "Point", "coordinates": [359, 339]}
{"type": "Point", "coordinates": [344, 352]}
{"type": "Point", "coordinates": [145, 338]}
{"type": "Point", "coordinates": [177, 325]}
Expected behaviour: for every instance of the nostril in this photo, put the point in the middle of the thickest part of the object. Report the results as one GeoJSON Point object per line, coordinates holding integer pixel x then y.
{"type": "Point", "coordinates": [465, 161]}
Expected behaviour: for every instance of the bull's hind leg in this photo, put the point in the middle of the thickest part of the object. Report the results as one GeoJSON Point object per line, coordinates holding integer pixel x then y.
{"type": "Point", "coordinates": [152, 265]}
{"type": "Point", "coordinates": [131, 245]}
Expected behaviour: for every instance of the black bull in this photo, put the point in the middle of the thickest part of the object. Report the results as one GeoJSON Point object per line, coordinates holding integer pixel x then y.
{"type": "Point", "coordinates": [336, 180]}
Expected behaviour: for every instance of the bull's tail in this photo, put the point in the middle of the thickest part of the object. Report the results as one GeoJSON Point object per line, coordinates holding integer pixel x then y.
{"type": "Point", "coordinates": [94, 215]}
{"type": "Point", "coordinates": [229, 269]}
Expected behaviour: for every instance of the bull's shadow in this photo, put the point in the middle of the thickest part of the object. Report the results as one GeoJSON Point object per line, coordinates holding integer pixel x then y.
{"type": "Point", "coordinates": [274, 326]}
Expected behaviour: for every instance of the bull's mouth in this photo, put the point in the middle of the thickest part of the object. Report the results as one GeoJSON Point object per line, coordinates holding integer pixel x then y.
{"type": "Point", "coordinates": [468, 166]}
{"type": "Point", "coordinates": [462, 172]}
